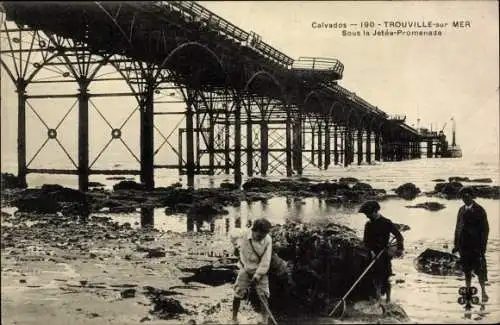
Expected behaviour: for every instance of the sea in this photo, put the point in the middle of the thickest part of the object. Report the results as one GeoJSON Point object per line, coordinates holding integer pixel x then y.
{"type": "Point", "coordinates": [425, 298]}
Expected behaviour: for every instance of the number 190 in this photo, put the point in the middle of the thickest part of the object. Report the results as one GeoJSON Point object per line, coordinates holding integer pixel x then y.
{"type": "Point", "coordinates": [367, 24]}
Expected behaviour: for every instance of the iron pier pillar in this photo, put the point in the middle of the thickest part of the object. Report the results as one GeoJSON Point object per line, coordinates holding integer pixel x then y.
{"type": "Point", "coordinates": [211, 143]}
{"type": "Point", "coordinates": [335, 148]}
{"type": "Point", "coordinates": [227, 139]}
{"type": "Point", "coordinates": [83, 134]}
{"type": "Point", "coordinates": [327, 145]}
{"type": "Point", "coordinates": [320, 146]}
{"type": "Point", "coordinates": [347, 147]}
{"type": "Point", "coordinates": [21, 131]}
{"type": "Point", "coordinates": [147, 138]}
{"type": "Point", "coordinates": [342, 146]}
{"type": "Point", "coordinates": [190, 145]}
{"type": "Point", "coordinates": [377, 146]}
{"type": "Point", "coordinates": [360, 146]}
{"type": "Point", "coordinates": [288, 140]}
{"type": "Point", "coordinates": [264, 147]}
{"type": "Point", "coordinates": [313, 145]}
{"type": "Point", "coordinates": [297, 136]}
{"type": "Point", "coordinates": [368, 146]}
{"type": "Point", "coordinates": [237, 143]}
{"type": "Point", "coordinates": [249, 146]}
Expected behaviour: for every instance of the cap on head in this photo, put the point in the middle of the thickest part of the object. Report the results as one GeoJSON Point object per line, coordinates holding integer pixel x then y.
{"type": "Point", "coordinates": [466, 190]}
{"type": "Point", "coordinates": [369, 207]}
{"type": "Point", "coordinates": [261, 225]}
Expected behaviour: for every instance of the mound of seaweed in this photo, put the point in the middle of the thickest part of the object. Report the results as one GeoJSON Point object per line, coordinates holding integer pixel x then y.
{"type": "Point", "coordinates": [324, 261]}
{"type": "Point", "coordinates": [436, 262]}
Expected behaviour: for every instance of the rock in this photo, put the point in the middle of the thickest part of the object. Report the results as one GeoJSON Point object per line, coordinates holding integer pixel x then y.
{"type": "Point", "coordinates": [96, 184]}
{"type": "Point", "coordinates": [438, 263]}
{"type": "Point", "coordinates": [431, 206]}
{"type": "Point", "coordinates": [164, 307]}
{"type": "Point", "coordinates": [129, 185]}
{"type": "Point", "coordinates": [221, 272]}
{"type": "Point", "coordinates": [257, 184]}
{"type": "Point", "coordinates": [324, 260]}
{"type": "Point", "coordinates": [128, 293]}
{"type": "Point", "coordinates": [407, 191]}
{"type": "Point", "coordinates": [348, 180]}
{"type": "Point", "coordinates": [40, 203]}
{"type": "Point", "coordinates": [122, 209]}
{"type": "Point", "coordinates": [116, 178]}
{"type": "Point", "coordinates": [255, 196]}
{"type": "Point", "coordinates": [458, 179]}
{"type": "Point", "coordinates": [329, 188]}
{"type": "Point", "coordinates": [229, 186]}
{"type": "Point", "coordinates": [439, 180]}
{"type": "Point", "coordinates": [362, 187]}
{"type": "Point", "coordinates": [482, 180]}
{"type": "Point", "coordinates": [10, 181]}
{"type": "Point", "coordinates": [152, 252]}
{"type": "Point", "coordinates": [64, 194]}
{"type": "Point", "coordinates": [450, 190]}
{"type": "Point", "coordinates": [394, 311]}
{"type": "Point", "coordinates": [484, 191]}
{"type": "Point", "coordinates": [206, 208]}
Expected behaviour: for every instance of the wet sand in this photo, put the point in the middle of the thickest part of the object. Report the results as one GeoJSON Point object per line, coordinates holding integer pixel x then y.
{"type": "Point", "coordinates": [69, 272]}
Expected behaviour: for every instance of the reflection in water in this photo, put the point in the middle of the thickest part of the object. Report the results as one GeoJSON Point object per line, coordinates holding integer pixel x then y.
{"type": "Point", "coordinates": [277, 210]}
{"type": "Point", "coordinates": [147, 217]}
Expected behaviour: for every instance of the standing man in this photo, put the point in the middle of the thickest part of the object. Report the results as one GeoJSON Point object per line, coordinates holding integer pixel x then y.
{"type": "Point", "coordinates": [376, 239]}
{"type": "Point", "coordinates": [471, 238]}
{"type": "Point", "coordinates": [255, 251]}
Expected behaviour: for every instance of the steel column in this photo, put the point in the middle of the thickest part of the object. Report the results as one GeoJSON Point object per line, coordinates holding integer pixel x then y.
{"type": "Point", "coordinates": [249, 146]}
{"type": "Point", "coordinates": [320, 146]}
{"type": "Point", "coordinates": [21, 131]}
{"type": "Point", "coordinates": [368, 146]}
{"type": "Point", "coordinates": [190, 166]}
{"type": "Point", "coordinates": [211, 141]}
{"type": "Point", "coordinates": [147, 137]}
{"type": "Point", "coordinates": [264, 147]}
{"type": "Point", "coordinates": [359, 146]}
{"type": "Point", "coordinates": [335, 147]}
{"type": "Point", "coordinates": [237, 142]}
{"type": "Point", "coordinates": [297, 136]}
{"type": "Point", "coordinates": [313, 146]}
{"type": "Point", "coordinates": [342, 147]}
{"type": "Point", "coordinates": [327, 145]}
{"type": "Point", "coordinates": [83, 135]}
{"type": "Point", "coordinates": [288, 140]}
{"type": "Point", "coordinates": [227, 139]}
{"type": "Point", "coordinates": [377, 146]}
{"type": "Point", "coordinates": [347, 149]}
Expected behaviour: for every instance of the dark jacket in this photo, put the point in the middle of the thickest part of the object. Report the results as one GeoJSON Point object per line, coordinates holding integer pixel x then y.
{"type": "Point", "coordinates": [472, 229]}
{"type": "Point", "coordinates": [377, 233]}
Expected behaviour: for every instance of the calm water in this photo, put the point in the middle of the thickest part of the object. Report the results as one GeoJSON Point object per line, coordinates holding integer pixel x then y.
{"type": "Point", "coordinates": [425, 298]}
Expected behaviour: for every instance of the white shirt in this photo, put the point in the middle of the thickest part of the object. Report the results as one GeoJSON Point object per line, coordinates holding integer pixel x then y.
{"type": "Point", "coordinates": [248, 257]}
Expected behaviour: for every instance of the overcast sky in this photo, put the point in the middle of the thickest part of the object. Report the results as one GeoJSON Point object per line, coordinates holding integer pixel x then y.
{"type": "Point", "coordinates": [433, 78]}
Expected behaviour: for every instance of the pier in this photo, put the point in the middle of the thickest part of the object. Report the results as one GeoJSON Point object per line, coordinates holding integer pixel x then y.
{"type": "Point", "coordinates": [247, 109]}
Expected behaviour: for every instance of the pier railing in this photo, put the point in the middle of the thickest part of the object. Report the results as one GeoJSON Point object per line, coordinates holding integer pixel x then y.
{"type": "Point", "coordinates": [328, 66]}
{"type": "Point", "coordinates": [398, 118]}
{"type": "Point", "coordinates": [219, 24]}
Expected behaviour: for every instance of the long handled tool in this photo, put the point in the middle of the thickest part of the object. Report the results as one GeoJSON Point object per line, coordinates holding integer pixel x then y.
{"type": "Point", "coordinates": [342, 300]}
{"type": "Point", "coordinates": [266, 306]}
